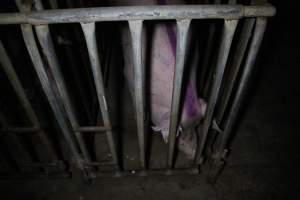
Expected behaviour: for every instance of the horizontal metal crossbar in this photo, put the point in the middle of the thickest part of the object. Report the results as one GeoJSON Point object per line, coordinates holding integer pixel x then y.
{"type": "Point", "coordinates": [137, 13]}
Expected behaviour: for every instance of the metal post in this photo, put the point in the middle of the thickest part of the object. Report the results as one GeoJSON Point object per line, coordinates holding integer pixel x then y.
{"type": "Point", "coordinates": [204, 81]}
{"type": "Point", "coordinates": [219, 155]}
{"type": "Point", "coordinates": [181, 44]}
{"type": "Point", "coordinates": [260, 27]}
{"type": "Point", "coordinates": [228, 33]}
{"type": "Point", "coordinates": [45, 40]}
{"type": "Point", "coordinates": [89, 30]}
{"type": "Point", "coordinates": [235, 66]}
{"type": "Point", "coordinates": [12, 76]}
{"type": "Point", "coordinates": [46, 85]}
{"type": "Point", "coordinates": [139, 85]}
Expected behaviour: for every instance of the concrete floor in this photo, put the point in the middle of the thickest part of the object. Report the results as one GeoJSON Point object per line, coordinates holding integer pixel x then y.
{"type": "Point", "coordinates": [263, 163]}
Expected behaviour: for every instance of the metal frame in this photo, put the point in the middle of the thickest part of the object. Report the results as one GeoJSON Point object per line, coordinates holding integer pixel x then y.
{"type": "Point", "coordinates": [135, 15]}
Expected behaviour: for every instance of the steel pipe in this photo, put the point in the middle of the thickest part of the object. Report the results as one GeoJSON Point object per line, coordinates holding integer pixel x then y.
{"type": "Point", "coordinates": [137, 13]}
{"type": "Point", "coordinates": [89, 30]}
{"type": "Point", "coordinates": [235, 67]}
{"type": "Point", "coordinates": [181, 46]}
{"type": "Point", "coordinates": [47, 46]}
{"type": "Point", "coordinates": [38, 64]}
{"type": "Point", "coordinates": [20, 92]}
{"type": "Point", "coordinates": [228, 33]}
{"type": "Point", "coordinates": [260, 27]}
{"type": "Point", "coordinates": [139, 85]}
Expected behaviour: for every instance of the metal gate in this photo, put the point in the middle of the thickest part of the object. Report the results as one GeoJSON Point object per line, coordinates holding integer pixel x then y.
{"type": "Point", "coordinates": [34, 23]}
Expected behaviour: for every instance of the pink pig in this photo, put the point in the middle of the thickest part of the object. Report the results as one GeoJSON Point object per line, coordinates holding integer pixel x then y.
{"type": "Point", "coordinates": [162, 63]}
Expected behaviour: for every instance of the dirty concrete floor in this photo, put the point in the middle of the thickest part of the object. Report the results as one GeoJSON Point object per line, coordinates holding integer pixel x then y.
{"type": "Point", "coordinates": [263, 163]}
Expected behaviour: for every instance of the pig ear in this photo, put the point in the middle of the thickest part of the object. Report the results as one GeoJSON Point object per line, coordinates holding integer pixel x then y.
{"type": "Point", "coordinates": [203, 106]}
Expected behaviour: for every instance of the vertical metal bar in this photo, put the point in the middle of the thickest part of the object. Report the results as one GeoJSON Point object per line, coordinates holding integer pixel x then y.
{"type": "Point", "coordinates": [89, 30]}
{"type": "Point", "coordinates": [181, 44]}
{"type": "Point", "coordinates": [260, 27]}
{"type": "Point", "coordinates": [70, 58]}
{"type": "Point", "coordinates": [46, 85]}
{"type": "Point", "coordinates": [235, 66]}
{"type": "Point", "coordinates": [236, 63]}
{"type": "Point", "coordinates": [139, 83]}
{"type": "Point", "coordinates": [228, 33]}
{"type": "Point", "coordinates": [45, 40]}
{"type": "Point", "coordinates": [12, 76]}
{"type": "Point", "coordinates": [207, 55]}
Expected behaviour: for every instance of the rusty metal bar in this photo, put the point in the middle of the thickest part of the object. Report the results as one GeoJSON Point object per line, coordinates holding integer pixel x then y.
{"type": "Point", "coordinates": [47, 46]}
{"type": "Point", "coordinates": [89, 30]}
{"type": "Point", "coordinates": [137, 13]}
{"type": "Point", "coordinates": [47, 88]}
{"type": "Point", "coordinates": [260, 27]}
{"type": "Point", "coordinates": [15, 82]}
{"type": "Point", "coordinates": [181, 44]}
{"type": "Point", "coordinates": [139, 85]}
{"type": "Point", "coordinates": [228, 33]}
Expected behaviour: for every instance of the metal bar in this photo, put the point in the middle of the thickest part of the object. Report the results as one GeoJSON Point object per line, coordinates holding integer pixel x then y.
{"type": "Point", "coordinates": [137, 13]}
{"type": "Point", "coordinates": [139, 85]}
{"type": "Point", "coordinates": [68, 49]}
{"type": "Point", "coordinates": [228, 33]}
{"type": "Point", "coordinates": [89, 30]}
{"type": "Point", "coordinates": [260, 27]}
{"type": "Point", "coordinates": [20, 130]}
{"type": "Point", "coordinates": [15, 82]}
{"type": "Point", "coordinates": [207, 55]}
{"type": "Point", "coordinates": [92, 129]}
{"type": "Point", "coordinates": [235, 66]}
{"type": "Point", "coordinates": [181, 44]}
{"type": "Point", "coordinates": [45, 40]}
{"type": "Point", "coordinates": [45, 82]}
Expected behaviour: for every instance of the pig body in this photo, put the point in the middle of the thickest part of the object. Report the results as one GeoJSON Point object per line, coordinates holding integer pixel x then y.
{"type": "Point", "coordinates": [162, 66]}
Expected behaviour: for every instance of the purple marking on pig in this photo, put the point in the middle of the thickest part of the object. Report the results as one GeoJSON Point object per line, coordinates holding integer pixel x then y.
{"type": "Point", "coordinates": [190, 102]}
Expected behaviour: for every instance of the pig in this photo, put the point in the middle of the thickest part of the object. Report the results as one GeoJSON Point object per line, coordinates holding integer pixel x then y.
{"type": "Point", "coordinates": [162, 66]}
